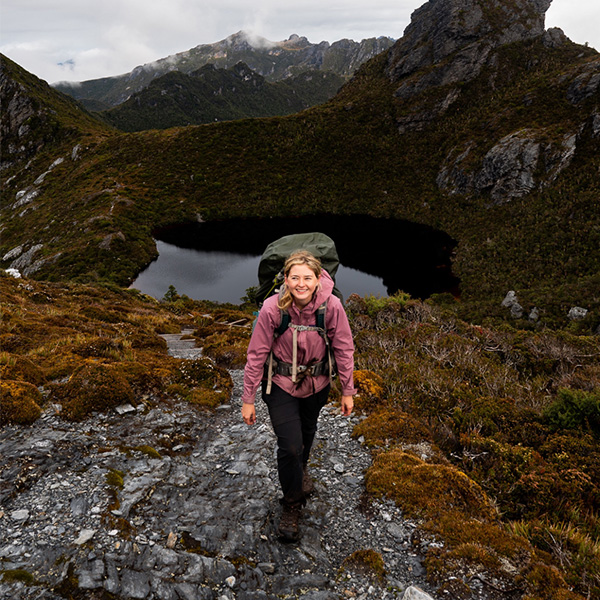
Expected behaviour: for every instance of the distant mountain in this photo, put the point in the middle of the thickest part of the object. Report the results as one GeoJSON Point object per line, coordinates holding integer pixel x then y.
{"type": "Point", "coordinates": [273, 60]}
{"type": "Point", "coordinates": [212, 94]}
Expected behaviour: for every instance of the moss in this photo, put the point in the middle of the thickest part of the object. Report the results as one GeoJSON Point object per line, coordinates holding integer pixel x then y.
{"type": "Point", "coordinates": [389, 426]}
{"type": "Point", "coordinates": [92, 388]}
{"type": "Point", "coordinates": [207, 398]}
{"type": "Point", "coordinates": [149, 451]}
{"type": "Point", "coordinates": [17, 367]}
{"type": "Point", "coordinates": [11, 575]}
{"type": "Point", "coordinates": [115, 478]}
{"type": "Point", "coordinates": [226, 344]}
{"type": "Point", "coordinates": [202, 382]}
{"type": "Point", "coordinates": [369, 388]}
{"type": "Point", "coordinates": [368, 563]}
{"type": "Point", "coordinates": [427, 490]}
{"type": "Point", "coordinates": [19, 403]}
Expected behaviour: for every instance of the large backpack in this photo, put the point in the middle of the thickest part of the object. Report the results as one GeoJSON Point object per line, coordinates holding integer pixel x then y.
{"type": "Point", "coordinates": [270, 267]}
{"type": "Point", "coordinates": [270, 276]}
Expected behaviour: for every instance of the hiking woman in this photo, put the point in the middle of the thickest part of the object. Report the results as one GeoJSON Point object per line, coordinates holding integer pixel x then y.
{"type": "Point", "coordinates": [296, 386]}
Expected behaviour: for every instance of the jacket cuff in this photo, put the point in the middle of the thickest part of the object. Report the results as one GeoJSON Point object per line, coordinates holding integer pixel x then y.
{"type": "Point", "coordinates": [248, 400]}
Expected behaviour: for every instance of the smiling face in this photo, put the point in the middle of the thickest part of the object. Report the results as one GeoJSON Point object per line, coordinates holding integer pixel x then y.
{"type": "Point", "coordinates": [302, 283]}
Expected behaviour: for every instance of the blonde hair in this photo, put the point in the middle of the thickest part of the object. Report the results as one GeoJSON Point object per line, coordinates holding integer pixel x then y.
{"type": "Point", "coordinates": [300, 257]}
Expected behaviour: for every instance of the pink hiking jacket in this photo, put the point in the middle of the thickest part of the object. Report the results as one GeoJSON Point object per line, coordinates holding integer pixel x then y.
{"type": "Point", "coordinates": [311, 346]}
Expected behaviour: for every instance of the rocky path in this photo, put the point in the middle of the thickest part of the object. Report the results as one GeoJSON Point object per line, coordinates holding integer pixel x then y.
{"type": "Point", "coordinates": [172, 503]}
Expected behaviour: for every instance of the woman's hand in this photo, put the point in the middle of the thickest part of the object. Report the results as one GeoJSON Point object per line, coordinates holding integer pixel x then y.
{"type": "Point", "coordinates": [347, 405]}
{"type": "Point", "coordinates": [249, 414]}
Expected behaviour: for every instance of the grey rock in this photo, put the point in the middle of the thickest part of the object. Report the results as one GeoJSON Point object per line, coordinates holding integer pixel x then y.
{"type": "Point", "coordinates": [13, 253]}
{"type": "Point", "coordinates": [186, 591]}
{"type": "Point", "coordinates": [511, 302]}
{"type": "Point", "coordinates": [507, 169]}
{"type": "Point", "coordinates": [554, 38]}
{"type": "Point", "coordinates": [85, 535]}
{"type": "Point", "coordinates": [24, 261]}
{"type": "Point", "coordinates": [585, 85]}
{"type": "Point", "coordinates": [576, 313]}
{"type": "Point", "coordinates": [450, 40]}
{"type": "Point", "coordinates": [415, 593]}
{"type": "Point", "coordinates": [135, 584]}
{"type": "Point", "coordinates": [20, 515]}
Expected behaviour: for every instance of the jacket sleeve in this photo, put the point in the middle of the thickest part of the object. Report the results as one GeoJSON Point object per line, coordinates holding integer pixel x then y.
{"type": "Point", "coordinates": [342, 345]}
{"type": "Point", "coordinates": [259, 347]}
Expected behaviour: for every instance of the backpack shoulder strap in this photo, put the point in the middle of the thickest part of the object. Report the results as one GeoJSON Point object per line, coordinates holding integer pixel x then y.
{"type": "Point", "coordinates": [320, 316]}
{"type": "Point", "coordinates": [284, 322]}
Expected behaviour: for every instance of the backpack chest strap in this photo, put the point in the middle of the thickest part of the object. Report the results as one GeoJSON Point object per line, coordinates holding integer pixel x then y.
{"type": "Point", "coordinates": [295, 329]}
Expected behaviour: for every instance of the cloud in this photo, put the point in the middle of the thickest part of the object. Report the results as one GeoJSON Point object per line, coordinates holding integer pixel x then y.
{"type": "Point", "coordinates": [87, 39]}
{"type": "Point", "coordinates": [579, 19]}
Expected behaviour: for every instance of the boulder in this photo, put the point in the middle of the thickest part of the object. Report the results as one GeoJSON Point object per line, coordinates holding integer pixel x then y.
{"type": "Point", "coordinates": [577, 313]}
{"type": "Point", "coordinates": [511, 302]}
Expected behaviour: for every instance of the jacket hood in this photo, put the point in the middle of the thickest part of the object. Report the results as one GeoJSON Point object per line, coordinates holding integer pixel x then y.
{"type": "Point", "coordinates": [326, 288]}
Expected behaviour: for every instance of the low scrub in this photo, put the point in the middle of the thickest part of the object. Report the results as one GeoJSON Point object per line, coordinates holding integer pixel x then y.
{"type": "Point", "coordinates": [487, 436]}
{"type": "Point", "coordinates": [92, 348]}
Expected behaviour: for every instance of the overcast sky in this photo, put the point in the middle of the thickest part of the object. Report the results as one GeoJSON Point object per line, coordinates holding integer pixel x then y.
{"type": "Point", "coordinates": [76, 40]}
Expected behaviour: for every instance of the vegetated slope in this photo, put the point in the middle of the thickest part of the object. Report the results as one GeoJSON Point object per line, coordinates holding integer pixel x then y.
{"type": "Point", "coordinates": [212, 94]}
{"type": "Point", "coordinates": [273, 60]}
{"type": "Point", "coordinates": [487, 128]}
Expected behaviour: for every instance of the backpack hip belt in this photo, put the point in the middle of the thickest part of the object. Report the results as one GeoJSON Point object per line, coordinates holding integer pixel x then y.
{"type": "Point", "coordinates": [284, 368]}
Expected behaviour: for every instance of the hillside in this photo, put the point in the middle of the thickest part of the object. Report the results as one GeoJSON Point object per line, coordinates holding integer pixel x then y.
{"type": "Point", "coordinates": [275, 61]}
{"type": "Point", "coordinates": [210, 94]}
{"type": "Point", "coordinates": [36, 119]}
{"type": "Point", "coordinates": [489, 132]}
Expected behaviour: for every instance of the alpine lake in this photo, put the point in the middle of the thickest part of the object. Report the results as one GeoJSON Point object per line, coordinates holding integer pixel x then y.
{"type": "Point", "coordinates": [218, 260]}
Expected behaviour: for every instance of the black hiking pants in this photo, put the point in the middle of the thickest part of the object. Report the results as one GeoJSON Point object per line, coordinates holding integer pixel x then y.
{"type": "Point", "coordinates": [294, 422]}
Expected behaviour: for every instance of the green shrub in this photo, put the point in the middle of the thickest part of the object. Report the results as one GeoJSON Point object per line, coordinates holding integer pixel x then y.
{"type": "Point", "coordinates": [575, 409]}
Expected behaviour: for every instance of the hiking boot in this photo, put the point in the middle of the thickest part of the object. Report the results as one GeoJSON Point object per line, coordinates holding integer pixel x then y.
{"type": "Point", "coordinates": [308, 487]}
{"type": "Point", "coordinates": [288, 529]}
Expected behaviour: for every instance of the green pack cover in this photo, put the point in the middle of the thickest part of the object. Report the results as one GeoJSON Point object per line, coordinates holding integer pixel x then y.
{"type": "Point", "coordinates": [270, 268]}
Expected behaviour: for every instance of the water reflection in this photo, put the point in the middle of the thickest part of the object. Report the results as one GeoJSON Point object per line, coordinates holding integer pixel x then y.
{"type": "Point", "coordinates": [218, 260]}
{"type": "Point", "coordinates": [225, 276]}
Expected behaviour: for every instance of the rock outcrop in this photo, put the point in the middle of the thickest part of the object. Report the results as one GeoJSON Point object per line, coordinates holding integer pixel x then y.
{"type": "Point", "coordinates": [449, 43]}
{"type": "Point", "coordinates": [455, 37]}
{"type": "Point", "coordinates": [19, 110]}
{"type": "Point", "coordinates": [509, 169]}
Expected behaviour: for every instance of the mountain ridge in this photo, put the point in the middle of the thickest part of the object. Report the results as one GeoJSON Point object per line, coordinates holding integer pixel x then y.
{"type": "Point", "coordinates": [214, 94]}
{"type": "Point", "coordinates": [512, 148]}
{"type": "Point", "coordinates": [272, 60]}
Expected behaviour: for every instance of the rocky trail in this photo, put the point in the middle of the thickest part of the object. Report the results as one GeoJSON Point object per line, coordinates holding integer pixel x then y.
{"type": "Point", "coordinates": [175, 503]}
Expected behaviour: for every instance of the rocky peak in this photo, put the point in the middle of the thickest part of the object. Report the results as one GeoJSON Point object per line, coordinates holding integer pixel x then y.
{"type": "Point", "coordinates": [457, 35]}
